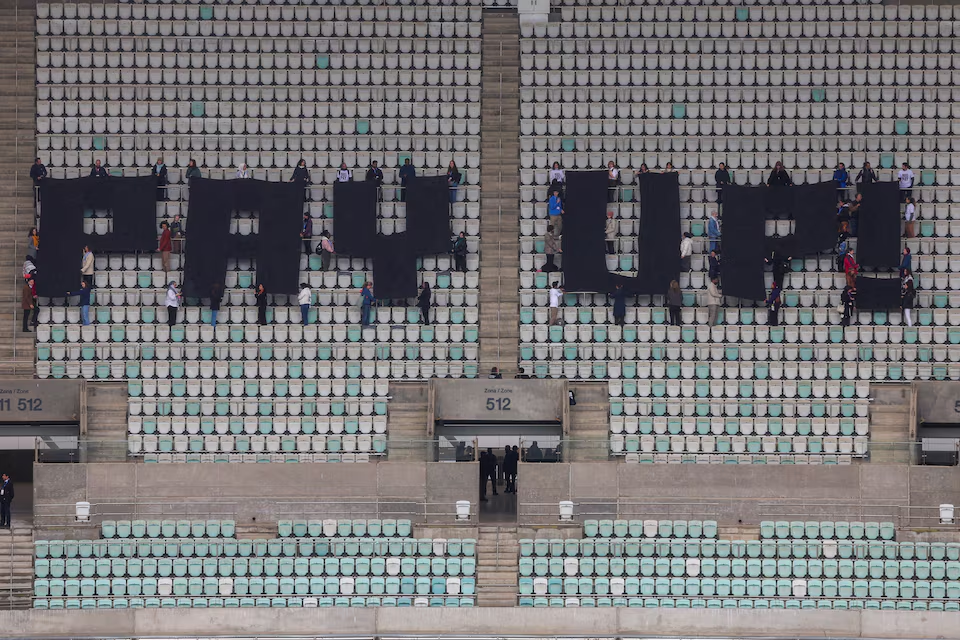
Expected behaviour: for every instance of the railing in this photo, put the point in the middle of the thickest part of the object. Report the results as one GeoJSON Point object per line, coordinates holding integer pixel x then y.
{"type": "Point", "coordinates": [904, 516]}
{"type": "Point", "coordinates": [55, 515]}
{"type": "Point", "coordinates": [374, 507]}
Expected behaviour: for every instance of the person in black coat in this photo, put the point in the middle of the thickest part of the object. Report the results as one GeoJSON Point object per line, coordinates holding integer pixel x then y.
{"type": "Point", "coordinates": [98, 171]}
{"type": "Point", "coordinates": [160, 173]}
{"type": "Point", "coordinates": [375, 175]}
{"type": "Point", "coordinates": [484, 470]}
{"type": "Point", "coordinates": [261, 305]}
{"type": "Point", "coordinates": [779, 177]}
{"type": "Point", "coordinates": [216, 296]}
{"type": "Point", "coordinates": [300, 173]}
{"type": "Point", "coordinates": [722, 177]}
{"type": "Point", "coordinates": [37, 173]}
{"type": "Point", "coordinates": [780, 265]}
{"type": "Point", "coordinates": [460, 252]}
{"type": "Point", "coordinates": [306, 233]}
{"type": "Point", "coordinates": [509, 470]}
{"type": "Point", "coordinates": [714, 266]}
{"type": "Point", "coordinates": [866, 176]}
{"type": "Point", "coordinates": [6, 498]}
{"type": "Point", "coordinates": [423, 301]}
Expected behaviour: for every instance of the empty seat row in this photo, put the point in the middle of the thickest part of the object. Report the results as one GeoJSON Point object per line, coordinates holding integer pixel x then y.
{"type": "Point", "coordinates": [247, 601]}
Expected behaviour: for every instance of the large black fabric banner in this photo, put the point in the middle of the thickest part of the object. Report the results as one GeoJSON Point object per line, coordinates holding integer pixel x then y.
{"type": "Point", "coordinates": [133, 202]}
{"type": "Point", "coordinates": [394, 267]}
{"type": "Point", "coordinates": [744, 216]}
{"type": "Point", "coordinates": [584, 264]}
{"type": "Point", "coordinates": [355, 218]}
{"type": "Point", "coordinates": [279, 206]}
{"type": "Point", "coordinates": [878, 293]}
{"type": "Point", "coordinates": [878, 236]}
{"type": "Point", "coordinates": [815, 215]}
{"type": "Point", "coordinates": [428, 215]}
{"type": "Point", "coordinates": [62, 250]}
{"type": "Point", "coordinates": [659, 237]}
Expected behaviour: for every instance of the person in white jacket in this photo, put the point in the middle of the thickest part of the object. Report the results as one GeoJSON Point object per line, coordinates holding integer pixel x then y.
{"type": "Point", "coordinates": [242, 171]}
{"type": "Point", "coordinates": [686, 250]}
{"type": "Point", "coordinates": [305, 298]}
{"type": "Point", "coordinates": [343, 174]}
{"type": "Point", "coordinates": [173, 303]}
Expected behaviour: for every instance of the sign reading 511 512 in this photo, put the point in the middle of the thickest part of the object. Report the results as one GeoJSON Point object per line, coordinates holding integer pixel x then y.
{"type": "Point", "coordinates": [39, 401]}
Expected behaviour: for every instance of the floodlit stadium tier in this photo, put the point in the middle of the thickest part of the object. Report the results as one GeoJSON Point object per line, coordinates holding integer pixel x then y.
{"type": "Point", "coordinates": [795, 565]}
{"type": "Point", "coordinates": [265, 86]}
{"type": "Point", "coordinates": [747, 86]}
{"type": "Point", "coordinates": [346, 563]}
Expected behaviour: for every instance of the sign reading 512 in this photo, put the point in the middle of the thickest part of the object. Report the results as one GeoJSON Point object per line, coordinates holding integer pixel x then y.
{"type": "Point", "coordinates": [23, 404]}
{"type": "Point", "coordinates": [498, 402]}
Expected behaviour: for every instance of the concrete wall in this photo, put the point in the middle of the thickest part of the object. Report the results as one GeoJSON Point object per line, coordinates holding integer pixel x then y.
{"type": "Point", "coordinates": [479, 621]}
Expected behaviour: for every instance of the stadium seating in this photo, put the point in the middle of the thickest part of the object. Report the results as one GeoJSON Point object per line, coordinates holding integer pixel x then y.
{"type": "Point", "coordinates": [794, 565]}
{"type": "Point", "coordinates": [346, 563]}
{"type": "Point", "coordinates": [264, 85]}
{"type": "Point", "coordinates": [748, 86]}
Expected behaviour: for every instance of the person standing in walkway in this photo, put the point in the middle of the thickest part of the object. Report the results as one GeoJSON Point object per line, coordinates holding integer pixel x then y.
{"type": "Point", "coordinates": [84, 302]}
{"type": "Point", "coordinates": [6, 499]}
{"type": "Point", "coordinates": [713, 231]}
{"type": "Point", "coordinates": [306, 232]}
{"type": "Point", "coordinates": [33, 242]}
{"type": "Point", "coordinates": [909, 215]}
{"type": "Point", "coordinates": [686, 251]}
{"type": "Point", "coordinates": [773, 303]}
{"type": "Point", "coordinates": [850, 268]}
{"type": "Point", "coordinates": [37, 173]}
{"type": "Point", "coordinates": [305, 298]}
{"type": "Point", "coordinates": [261, 305]}
{"type": "Point", "coordinates": [86, 266]}
{"type": "Point", "coordinates": [551, 247]}
{"type": "Point", "coordinates": [491, 470]}
{"type": "Point", "coordinates": [713, 267]}
{"type": "Point", "coordinates": [423, 302]}
{"type": "Point", "coordinates": [848, 298]}
{"type": "Point", "coordinates": [907, 300]}
{"type": "Point", "coordinates": [216, 297]}
{"type": "Point", "coordinates": [484, 467]}
{"type": "Point", "coordinates": [173, 303]}
{"type": "Point", "coordinates": [164, 246]}
{"type": "Point", "coordinates": [674, 302]}
{"type": "Point", "coordinates": [558, 178]}
{"type": "Point", "coordinates": [453, 180]}
{"type": "Point", "coordinates": [177, 234]}
{"type": "Point", "coordinates": [509, 470]}
{"type": "Point", "coordinates": [556, 294]}
{"type": "Point", "coordinates": [325, 249]}
{"type": "Point", "coordinates": [159, 172]}
{"type": "Point", "coordinates": [407, 173]}
{"type": "Point", "coordinates": [610, 233]}
{"type": "Point", "coordinates": [460, 252]}
{"type": "Point", "coordinates": [714, 300]}
{"type": "Point", "coordinates": [619, 296]}
{"type": "Point", "coordinates": [555, 211]}
{"type": "Point", "coordinates": [366, 304]}
{"type": "Point", "coordinates": [28, 302]}
{"type": "Point", "coordinates": [906, 262]}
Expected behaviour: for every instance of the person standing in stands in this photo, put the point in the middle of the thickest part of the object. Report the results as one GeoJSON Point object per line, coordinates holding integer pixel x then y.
{"type": "Point", "coordinates": [674, 302]}
{"type": "Point", "coordinates": [261, 305]}
{"type": "Point", "coordinates": [669, 168]}
{"type": "Point", "coordinates": [555, 211]}
{"type": "Point", "coordinates": [216, 297]}
{"type": "Point", "coordinates": [619, 296]}
{"type": "Point", "coordinates": [37, 173]}
{"type": "Point", "coordinates": [325, 249]}
{"type": "Point", "coordinates": [453, 180]}
{"type": "Point", "coordinates": [306, 232]}
{"type": "Point", "coordinates": [491, 470]}
{"type": "Point", "coordinates": [423, 302]}
{"type": "Point", "coordinates": [780, 265]}
{"type": "Point", "coordinates": [6, 499]}
{"type": "Point", "coordinates": [173, 303]}
{"type": "Point", "coordinates": [906, 262]}
{"type": "Point", "coordinates": [551, 246]}
{"type": "Point", "coordinates": [164, 245]}
{"type": "Point", "coordinates": [33, 242]}
{"type": "Point", "coordinates": [613, 182]}
{"type": "Point", "coordinates": [714, 300]}
{"type": "Point", "coordinates": [639, 172]}
{"type": "Point", "coordinates": [375, 175]}
{"type": "Point", "coordinates": [484, 474]}
{"type": "Point", "coordinates": [304, 299]}
{"type": "Point", "coordinates": [343, 174]}
{"type": "Point", "coordinates": [779, 177]}
{"type": "Point", "coordinates": [177, 233]}
{"type": "Point", "coordinates": [98, 171]}
{"type": "Point", "coordinates": [495, 374]}
{"type": "Point", "coordinates": [905, 178]}
{"type": "Point", "coordinates": [558, 178]}
{"type": "Point", "coordinates": [722, 178]}
{"type": "Point", "coordinates": [610, 233]}
{"type": "Point", "coordinates": [160, 173]}
{"type": "Point", "coordinates": [366, 304]}
{"type": "Point", "coordinates": [841, 177]}
{"type": "Point", "coordinates": [773, 303]}
{"type": "Point", "coordinates": [300, 173]}
{"type": "Point", "coordinates": [686, 250]}
{"type": "Point", "coordinates": [713, 270]}
{"type": "Point", "coordinates": [86, 266]}
{"type": "Point", "coordinates": [850, 268]}
{"type": "Point", "coordinates": [866, 176]}
{"type": "Point", "coordinates": [28, 302]}
{"type": "Point", "coordinates": [84, 302]}
{"type": "Point", "coordinates": [909, 216]}
{"type": "Point", "coordinates": [29, 268]}
{"type": "Point", "coordinates": [509, 470]}
{"type": "Point", "coordinates": [713, 231]}
{"type": "Point", "coordinates": [908, 297]}
{"type": "Point", "coordinates": [849, 300]}
{"type": "Point", "coordinates": [243, 172]}
{"type": "Point", "coordinates": [556, 294]}
{"type": "Point", "coordinates": [193, 171]}
{"type": "Point", "coordinates": [407, 173]}
{"type": "Point", "coordinates": [460, 252]}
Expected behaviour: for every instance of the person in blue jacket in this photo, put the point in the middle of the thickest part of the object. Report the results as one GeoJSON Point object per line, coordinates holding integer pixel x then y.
{"type": "Point", "coordinates": [366, 303]}
{"type": "Point", "coordinates": [713, 231]}
{"type": "Point", "coordinates": [841, 177]}
{"type": "Point", "coordinates": [84, 293]}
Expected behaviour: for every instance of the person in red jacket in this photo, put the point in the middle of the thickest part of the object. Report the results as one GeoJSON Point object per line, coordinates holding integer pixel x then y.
{"type": "Point", "coordinates": [165, 245]}
{"type": "Point", "coordinates": [850, 268]}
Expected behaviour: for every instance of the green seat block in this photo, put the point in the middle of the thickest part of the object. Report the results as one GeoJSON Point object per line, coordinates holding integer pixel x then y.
{"type": "Point", "coordinates": [902, 127]}
{"type": "Point", "coordinates": [886, 160]}
{"type": "Point", "coordinates": [206, 12]}
{"type": "Point", "coordinates": [928, 177]}
{"type": "Point", "coordinates": [819, 95]}
{"type": "Point", "coordinates": [197, 109]}
{"type": "Point", "coordinates": [363, 127]}
{"type": "Point", "coordinates": [99, 143]}
{"type": "Point", "coordinates": [323, 62]}
{"type": "Point", "coordinates": [569, 144]}
{"type": "Point", "coordinates": [743, 14]}
{"type": "Point", "coordinates": [679, 111]}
